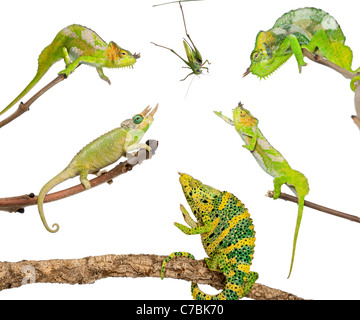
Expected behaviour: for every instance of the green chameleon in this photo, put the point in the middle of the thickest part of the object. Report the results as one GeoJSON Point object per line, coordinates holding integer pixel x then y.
{"type": "Point", "coordinates": [79, 45]}
{"type": "Point", "coordinates": [270, 160]}
{"type": "Point", "coordinates": [100, 153]}
{"type": "Point", "coordinates": [227, 234]}
{"type": "Point", "coordinates": [309, 28]}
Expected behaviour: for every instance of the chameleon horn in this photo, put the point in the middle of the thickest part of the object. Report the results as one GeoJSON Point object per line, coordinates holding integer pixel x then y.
{"type": "Point", "coordinates": [154, 110]}
{"type": "Point", "coordinates": [246, 72]}
{"type": "Point", "coordinates": [145, 111]}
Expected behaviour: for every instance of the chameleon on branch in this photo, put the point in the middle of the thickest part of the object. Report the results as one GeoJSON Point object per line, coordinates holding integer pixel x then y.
{"type": "Point", "coordinates": [79, 45]}
{"type": "Point", "coordinates": [227, 233]}
{"type": "Point", "coordinates": [309, 28]}
{"type": "Point", "coordinates": [270, 160]}
{"type": "Point", "coordinates": [100, 153]}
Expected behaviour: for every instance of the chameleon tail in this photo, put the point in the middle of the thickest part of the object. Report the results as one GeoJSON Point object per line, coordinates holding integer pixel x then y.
{"type": "Point", "coordinates": [46, 60]}
{"type": "Point", "coordinates": [232, 291]}
{"type": "Point", "coordinates": [62, 176]}
{"type": "Point", "coordinates": [301, 200]}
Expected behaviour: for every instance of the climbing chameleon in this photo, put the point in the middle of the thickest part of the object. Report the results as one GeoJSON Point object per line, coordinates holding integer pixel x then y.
{"type": "Point", "coordinates": [271, 161]}
{"type": "Point", "coordinates": [306, 28]}
{"type": "Point", "coordinates": [79, 45]}
{"type": "Point", "coordinates": [227, 234]}
{"type": "Point", "coordinates": [100, 153]}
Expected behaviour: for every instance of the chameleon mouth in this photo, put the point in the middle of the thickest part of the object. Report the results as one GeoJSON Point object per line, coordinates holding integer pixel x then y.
{"type": "Point", "coordinates": [146, 111]}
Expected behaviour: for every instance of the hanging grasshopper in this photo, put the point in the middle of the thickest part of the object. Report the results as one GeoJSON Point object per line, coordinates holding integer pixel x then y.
{"type": "Point", "coordinates": [194, 62]}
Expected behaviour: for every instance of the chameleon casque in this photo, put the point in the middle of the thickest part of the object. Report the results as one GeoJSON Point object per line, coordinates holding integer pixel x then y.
{"type": "Point", "coordinates": [100, 153]}
{"type": "Point", "coordinates": [79, 45]}
{"type": "Point", "coordinates": [309, 28]}
{"type": "Point", "coordinates": [271, 161]}
{"type": "Point", "coordinates": [227, 233]}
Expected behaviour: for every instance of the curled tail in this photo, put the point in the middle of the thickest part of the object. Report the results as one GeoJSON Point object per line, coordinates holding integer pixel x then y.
{"type": "Point", "coordinates": [236, 288]}
{"type": "Point", "coordinates": [62, 176]}
{"type": "Point", "coordinates": [301, 200]}
{"type": "Point", "coordinates": [46, 59]}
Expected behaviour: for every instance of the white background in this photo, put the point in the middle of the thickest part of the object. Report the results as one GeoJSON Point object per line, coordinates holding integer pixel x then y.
{"type": "Point", "coordinates": [305, 116]}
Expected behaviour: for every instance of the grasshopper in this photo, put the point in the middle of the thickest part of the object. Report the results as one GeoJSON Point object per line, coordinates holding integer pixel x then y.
{"type": "Point", "coordinates": [194, 60]}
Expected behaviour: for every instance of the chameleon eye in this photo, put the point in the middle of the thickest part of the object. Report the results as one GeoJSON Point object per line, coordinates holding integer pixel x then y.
{"type": "Point", "coordinates": [123, 53]}
{"type": "Point", "coordinates": [242, 113]}
{"type": "Point", "coordinates": [255, 56]}
{"type": "Point", "coordinates": [138, 119]}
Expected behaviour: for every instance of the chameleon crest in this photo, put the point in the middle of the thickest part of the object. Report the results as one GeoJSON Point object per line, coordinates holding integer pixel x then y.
{"type": "Point", "coordinates": [306, 28]}
{"type": "Point", "coordinates": [270, 160]}
{"type": "Point", "coordinates": [79, 45]}
{"type": "Point", "coordinates": [98, 154]}
{"type": "Point", "coordinates": [227, 233]}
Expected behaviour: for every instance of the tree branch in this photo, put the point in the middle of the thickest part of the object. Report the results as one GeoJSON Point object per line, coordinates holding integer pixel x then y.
{"type": "Point", "coordinates": [23, 107]}
{"type": "Point", "coordinates": [347, 74]}
{"type": "Point", "coordinates": [17, 204]}
{"type": "Point", "coordinates": [90, 269]}
{"type": "Point", "coordinates": [288, 197]}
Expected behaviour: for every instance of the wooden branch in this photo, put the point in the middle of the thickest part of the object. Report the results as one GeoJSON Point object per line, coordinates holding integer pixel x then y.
{"type": "Point", "coordinates": [288, 197]}
{"type": "Point", "coordinates": [347, 74]}
{"type": "Point", "coordinates": [23, 107]}
{"type": "Point", "coordinates": [17, 204]}
{"type": "Point", "coordinates": [90, 269]}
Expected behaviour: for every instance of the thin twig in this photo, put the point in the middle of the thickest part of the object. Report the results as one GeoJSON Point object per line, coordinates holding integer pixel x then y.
{"type": "Point", "coordinates": [288, 197]}
{"type": "Point", "coordinates": [17, 204]}
{"type": "Point", "coordinates": [90, 269]}
{"type": "Point", "coordinates": [347, 74]}
{"type": "Point", "coordinates": [23, 107]}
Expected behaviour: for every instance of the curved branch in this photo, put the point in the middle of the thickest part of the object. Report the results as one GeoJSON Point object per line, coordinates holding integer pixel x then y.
{"type": "Point", "coordinates": [90, 269]}
{"type": "Point", "coordinates": [17, 204]}
{"type": "Point", "coordinates": [288, 197]}
{"type": "Point", "coordinates": [23, 107]}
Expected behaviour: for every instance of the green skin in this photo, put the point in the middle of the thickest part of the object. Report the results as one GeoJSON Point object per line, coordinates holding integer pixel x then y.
{"type": "Point", "coordinates": [79, 45]}
{"type": "Point", "coordinates": [100, 153]}
{"type": "Point", "coordinates": [306, 28]}
{"type": "Point", "coordinates": [194, 60]}
{"type": "Point", "coordinates": [227, 234]}
{"type": "Point", "coordinates": [271, 161]}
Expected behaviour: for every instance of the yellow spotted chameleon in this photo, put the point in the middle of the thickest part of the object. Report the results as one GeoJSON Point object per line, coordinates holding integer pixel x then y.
{"type": "Point", "coordinates": [309, 28]}
{"type": "Point", "coordinates": [270, 160]}
{"type": "Point", "coordinates": [227, 233]}
{"type": "Point", "coordinates": [100, 153]}
{"type": "Point", "coordinates": [79, 45]}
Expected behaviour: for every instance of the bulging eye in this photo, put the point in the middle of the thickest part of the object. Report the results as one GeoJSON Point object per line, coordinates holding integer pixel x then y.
{"type": "Point", "coordinates": [123, 53]}
{"type": "Point", "coordinates": [138, 119]}
{"type": "Point", "coordinates": [243, 113]}
{"type": "Point", "coordinates": [255, 56]}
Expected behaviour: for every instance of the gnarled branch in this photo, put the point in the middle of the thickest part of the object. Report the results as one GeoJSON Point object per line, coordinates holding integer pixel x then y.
{"type": "Point", "coordinates": [90, 269]}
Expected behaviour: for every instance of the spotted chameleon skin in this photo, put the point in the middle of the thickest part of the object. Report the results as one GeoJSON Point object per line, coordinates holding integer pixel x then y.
{"type": "Point", "coordinates": [227, 234]}
{"type": "Point", "coordinates": [309, 28]}
{"type": "Point", "coordinates": [79, 45]}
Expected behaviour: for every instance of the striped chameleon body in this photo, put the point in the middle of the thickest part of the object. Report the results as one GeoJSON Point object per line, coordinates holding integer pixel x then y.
{"type": "Point", "coordinates": [79, 45]}
{"type": "Point", "coordinates": [271, 161]}
{"type": "Point", "coordinates": [100, 153]}
{"type": "Point", "coordinates": [227, 234]}
{"type": "Point", "coordinates": [309, 28]}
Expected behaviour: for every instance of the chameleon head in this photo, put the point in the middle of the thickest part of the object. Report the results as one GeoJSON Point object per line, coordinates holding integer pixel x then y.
{"type": "Point", "coordinates": [141, 121]}
{"type": "Point", "coordinates": [118, 57]}
{"type": "Point", "coordinates": [199, 196]}
{"type": "Point", "coordinates": [263, 61]}
{"type": "Point", "coordinates": [243, 117]}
